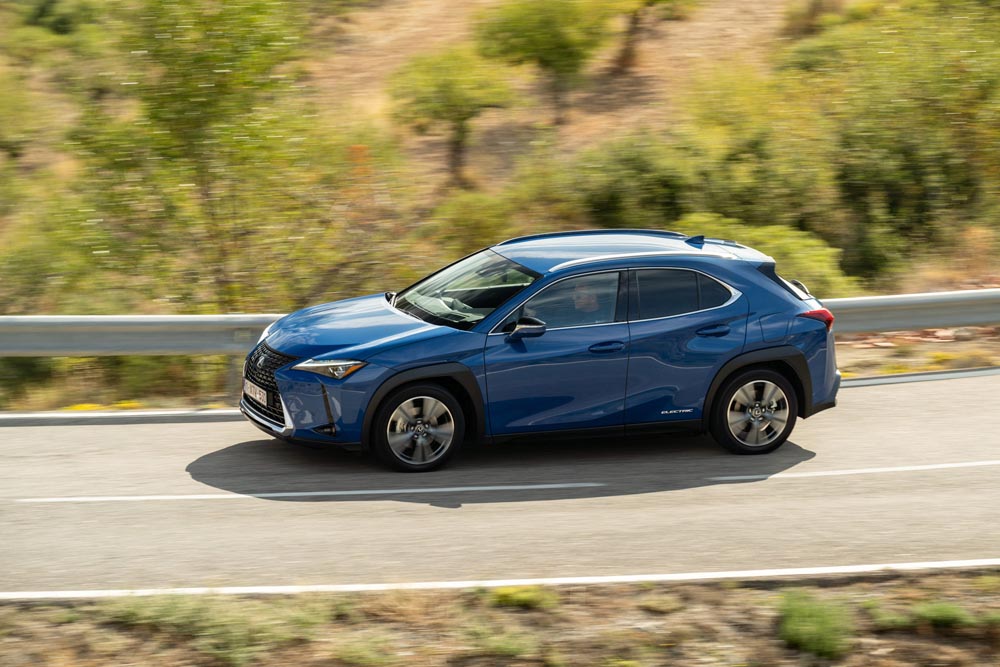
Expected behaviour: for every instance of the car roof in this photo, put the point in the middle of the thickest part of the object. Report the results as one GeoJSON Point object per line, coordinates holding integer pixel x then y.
{"type": "Point", "coordinates": [549, 253]}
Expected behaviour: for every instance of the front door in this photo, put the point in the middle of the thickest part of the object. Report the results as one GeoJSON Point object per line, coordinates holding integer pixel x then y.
{"type": "Point", "coordinates": [573, 375]}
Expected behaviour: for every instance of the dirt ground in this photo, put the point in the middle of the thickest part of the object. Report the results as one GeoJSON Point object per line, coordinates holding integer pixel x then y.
{"type": "Point", "coordinates": [946, 620]}
{"type": "Point", "coordinates": [918, 351]}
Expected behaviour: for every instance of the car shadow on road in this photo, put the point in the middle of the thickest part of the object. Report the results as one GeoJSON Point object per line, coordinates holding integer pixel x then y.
{"type": "Point", "coordinates": [556, 470]}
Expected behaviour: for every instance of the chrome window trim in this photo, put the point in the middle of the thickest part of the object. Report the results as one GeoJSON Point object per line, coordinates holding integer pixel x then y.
{"type": "Point", "coordinates": [694, 252]}
{"type": "Point", "coordinates": [734, 294]}
{"type": "Point", "coordinates": [494, 331]}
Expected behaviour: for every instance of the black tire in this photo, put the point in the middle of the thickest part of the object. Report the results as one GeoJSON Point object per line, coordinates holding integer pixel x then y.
{"type": "Point", "coordinates": [758, 431]}
{"type": "Point", "coordinates": [417, 418]}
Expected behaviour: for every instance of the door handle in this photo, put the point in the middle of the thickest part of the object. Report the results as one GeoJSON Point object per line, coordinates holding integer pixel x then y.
{"type": "Point", "coordinates": [715, 330]}
{"type": "Point", "coordinates": [607, 346]}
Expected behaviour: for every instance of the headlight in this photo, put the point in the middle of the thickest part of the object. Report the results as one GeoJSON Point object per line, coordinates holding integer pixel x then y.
{"type": "Point", "coordinates": [266, 332]}
{"type": "Point", "coordinates": [335, 368]}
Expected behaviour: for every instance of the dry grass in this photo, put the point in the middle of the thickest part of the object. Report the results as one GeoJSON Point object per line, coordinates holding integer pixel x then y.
{"type": "Point", "coordinates": [946, 619]}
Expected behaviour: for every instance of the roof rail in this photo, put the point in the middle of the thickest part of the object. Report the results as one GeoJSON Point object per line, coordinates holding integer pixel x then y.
{"type": "Point", "coordinates": [648, 232]}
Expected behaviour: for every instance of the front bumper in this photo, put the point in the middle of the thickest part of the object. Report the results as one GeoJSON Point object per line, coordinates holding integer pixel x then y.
{"type": "Point", "coordinates": [316, 409]}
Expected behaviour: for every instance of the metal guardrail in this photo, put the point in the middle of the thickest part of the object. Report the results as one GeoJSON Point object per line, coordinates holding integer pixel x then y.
{"type": "Point", "coordinates": [98, 335]}
{"type": "Point", "coordinates": [931, 310]}
{"type": "Point", "coordinates": [113, 335]}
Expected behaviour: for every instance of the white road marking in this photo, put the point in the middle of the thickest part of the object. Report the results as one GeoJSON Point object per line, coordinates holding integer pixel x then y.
{"type": "Point", "coordinates": [466, 489]}
{"type": "Point", "coordinates": [307, 494]}
{"type": "Point", "coordinates": [859, 471]}
{"type": "Point", "coordinates": [493, 583]}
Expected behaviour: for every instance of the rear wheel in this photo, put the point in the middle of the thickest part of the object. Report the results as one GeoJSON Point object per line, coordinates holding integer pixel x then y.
{"type": "Point", "coordinates": [754, 412]}
{"type": "Point", "coordinates": [418, 428]}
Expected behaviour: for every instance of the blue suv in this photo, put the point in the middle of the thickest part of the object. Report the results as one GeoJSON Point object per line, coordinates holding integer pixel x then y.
{"type": "Point", "coordinates": [607, 332]}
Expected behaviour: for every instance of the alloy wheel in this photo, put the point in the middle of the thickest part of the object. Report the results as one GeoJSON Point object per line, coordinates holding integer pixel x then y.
{"type": "Point", "coordinates": [420, 430]}
{"type": "Point", "coordinates": [758, 413]}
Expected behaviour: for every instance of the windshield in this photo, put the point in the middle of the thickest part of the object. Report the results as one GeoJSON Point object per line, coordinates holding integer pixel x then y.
{"type": "Point", "coordinates": [462, 294]}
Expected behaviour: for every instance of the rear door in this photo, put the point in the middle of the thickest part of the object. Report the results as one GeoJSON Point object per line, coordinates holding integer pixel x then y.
{"type": "Point", "coordinates": [683, 326]}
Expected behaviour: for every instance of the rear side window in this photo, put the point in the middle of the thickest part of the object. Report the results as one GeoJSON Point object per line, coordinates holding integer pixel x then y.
{"type": "Point", "coordinates": [666, 292]}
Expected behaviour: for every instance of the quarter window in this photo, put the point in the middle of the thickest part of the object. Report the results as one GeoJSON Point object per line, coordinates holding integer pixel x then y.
{"type": "Point", "coordinates": [713, 293]}
{"type": "Point", "coordinates": [666, 292]}
{"type": "Point", "coordinates": [574, 302]}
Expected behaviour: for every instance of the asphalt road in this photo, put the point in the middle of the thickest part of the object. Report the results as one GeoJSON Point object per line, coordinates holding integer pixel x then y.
{"type": "Point", "coordinates": [656, 505]}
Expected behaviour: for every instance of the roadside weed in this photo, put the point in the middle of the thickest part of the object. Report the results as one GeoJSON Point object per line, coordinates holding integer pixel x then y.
{"type": "Point", "coordinates": [814, 626]}
{"type": "Point", "coordinates": [524, 597]}
{"type": "Point", "coordinates": [943, 615]}
{"type": "Point", "coordinates": [231, 630]}
{"type": "Point", "coordinates": [502, 642]}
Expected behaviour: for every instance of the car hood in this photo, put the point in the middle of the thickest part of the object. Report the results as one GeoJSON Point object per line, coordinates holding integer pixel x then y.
{"type": "Point", "coordinates": [353, 328]}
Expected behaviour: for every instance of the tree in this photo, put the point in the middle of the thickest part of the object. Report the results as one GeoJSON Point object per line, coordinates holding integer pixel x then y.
{"type": "Point", "coordinates": [557, 36]}
{"type": "Point", "coordinates": [636, 11]}
{"type": "Point", "coordinates": [218, 185]}
{"type": "Point", "coordinates": [449, 88]}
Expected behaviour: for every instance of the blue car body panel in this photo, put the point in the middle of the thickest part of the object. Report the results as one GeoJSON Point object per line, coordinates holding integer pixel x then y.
{"type": "Point", "coordinates": [567, 379]}
{"type": "Point", "coordinates": [629, 372]}
{"type": "Point", "coordinates": [671, 365]}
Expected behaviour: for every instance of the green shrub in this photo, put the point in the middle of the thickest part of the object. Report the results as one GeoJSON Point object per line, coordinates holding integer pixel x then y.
{"type": "Point", "coordinates": [557, 36]}
{"type": "Point", "coordinates": [885, 621]}
{"type": "Point", "coordinates": [943, 615]}
{"type": "Point", "coordinates": [814, 626]}
{"type": "Point", "coordinates": [502, 642]}
{"type": "Point", "coordinates": [524, 597]}
{"type": "Point", "coordinates": [468, 221]}
{"type": "Point", "coordinates": [798, 255]}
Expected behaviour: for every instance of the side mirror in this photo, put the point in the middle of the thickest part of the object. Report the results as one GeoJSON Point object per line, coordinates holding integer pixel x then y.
{"type": "Point", "coordinates": [527, 327]}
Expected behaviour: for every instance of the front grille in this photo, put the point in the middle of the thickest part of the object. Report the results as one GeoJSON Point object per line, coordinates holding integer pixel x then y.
{"type": "Point", "coordinates": [259, 369]}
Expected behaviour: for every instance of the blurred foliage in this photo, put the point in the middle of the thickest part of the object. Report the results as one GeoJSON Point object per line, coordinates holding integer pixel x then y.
{"type": "Point", "coordinates": [636, 12]}
{"type": "Point", "coordinates": [910, 98]}
{"type": "Point", "coordinates": [799, 255]}
{"type": "Point", "coordinates": [557, 36]}
{"type": "Point", "coordinates": [449, 88]}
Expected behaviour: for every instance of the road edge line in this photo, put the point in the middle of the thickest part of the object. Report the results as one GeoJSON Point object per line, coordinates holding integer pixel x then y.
{"type": "Point", "coordinates": [757, 575]}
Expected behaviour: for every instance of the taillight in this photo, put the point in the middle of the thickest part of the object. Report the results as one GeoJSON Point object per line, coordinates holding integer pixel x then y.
{"type": "Point", "coordinates": [823, 315]}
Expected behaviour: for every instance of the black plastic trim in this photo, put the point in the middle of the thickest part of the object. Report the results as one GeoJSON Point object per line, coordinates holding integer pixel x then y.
{"type": "Point", "coordinates": [452, 370]}
{"type": "Point", "coordinates": [564, 434]}
{"type": "Point", "coordinates": [652, 428]}
{"type": "Point", "coordinates": [787, 354]}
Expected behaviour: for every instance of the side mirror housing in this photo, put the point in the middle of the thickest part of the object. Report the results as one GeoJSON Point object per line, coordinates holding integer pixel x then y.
{"type": "Point", "coordinates": [527, 327]}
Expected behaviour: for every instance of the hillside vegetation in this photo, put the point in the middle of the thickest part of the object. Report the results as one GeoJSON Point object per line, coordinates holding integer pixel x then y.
{"type": "Point", "coordinates": [173, 156]}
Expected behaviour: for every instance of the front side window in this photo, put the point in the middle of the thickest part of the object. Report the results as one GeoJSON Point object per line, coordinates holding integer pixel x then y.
{"type": "Point", "coordinates": [576, 302]}
{"type": "Point", "coordinates": [464, 293]}
{"type": "Point", "coordinates": [667, 292]}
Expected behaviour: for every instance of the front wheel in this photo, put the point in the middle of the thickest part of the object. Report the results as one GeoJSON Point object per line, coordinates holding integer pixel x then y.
{"type": "Point", "coordinates": [754, 412]}
{"type": "Point", "coordinates": [418, 428]}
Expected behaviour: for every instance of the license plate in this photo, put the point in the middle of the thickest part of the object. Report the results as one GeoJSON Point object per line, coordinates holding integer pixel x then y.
{"type": "Point", "coordinates": [258, 394]}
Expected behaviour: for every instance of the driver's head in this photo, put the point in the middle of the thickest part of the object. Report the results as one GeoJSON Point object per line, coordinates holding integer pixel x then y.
{"type": "Point", "coordinates": [584, 297]}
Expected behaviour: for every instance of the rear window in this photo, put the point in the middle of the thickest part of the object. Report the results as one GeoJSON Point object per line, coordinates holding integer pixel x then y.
{"type": "Point", "coordinates": [665, 293]}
